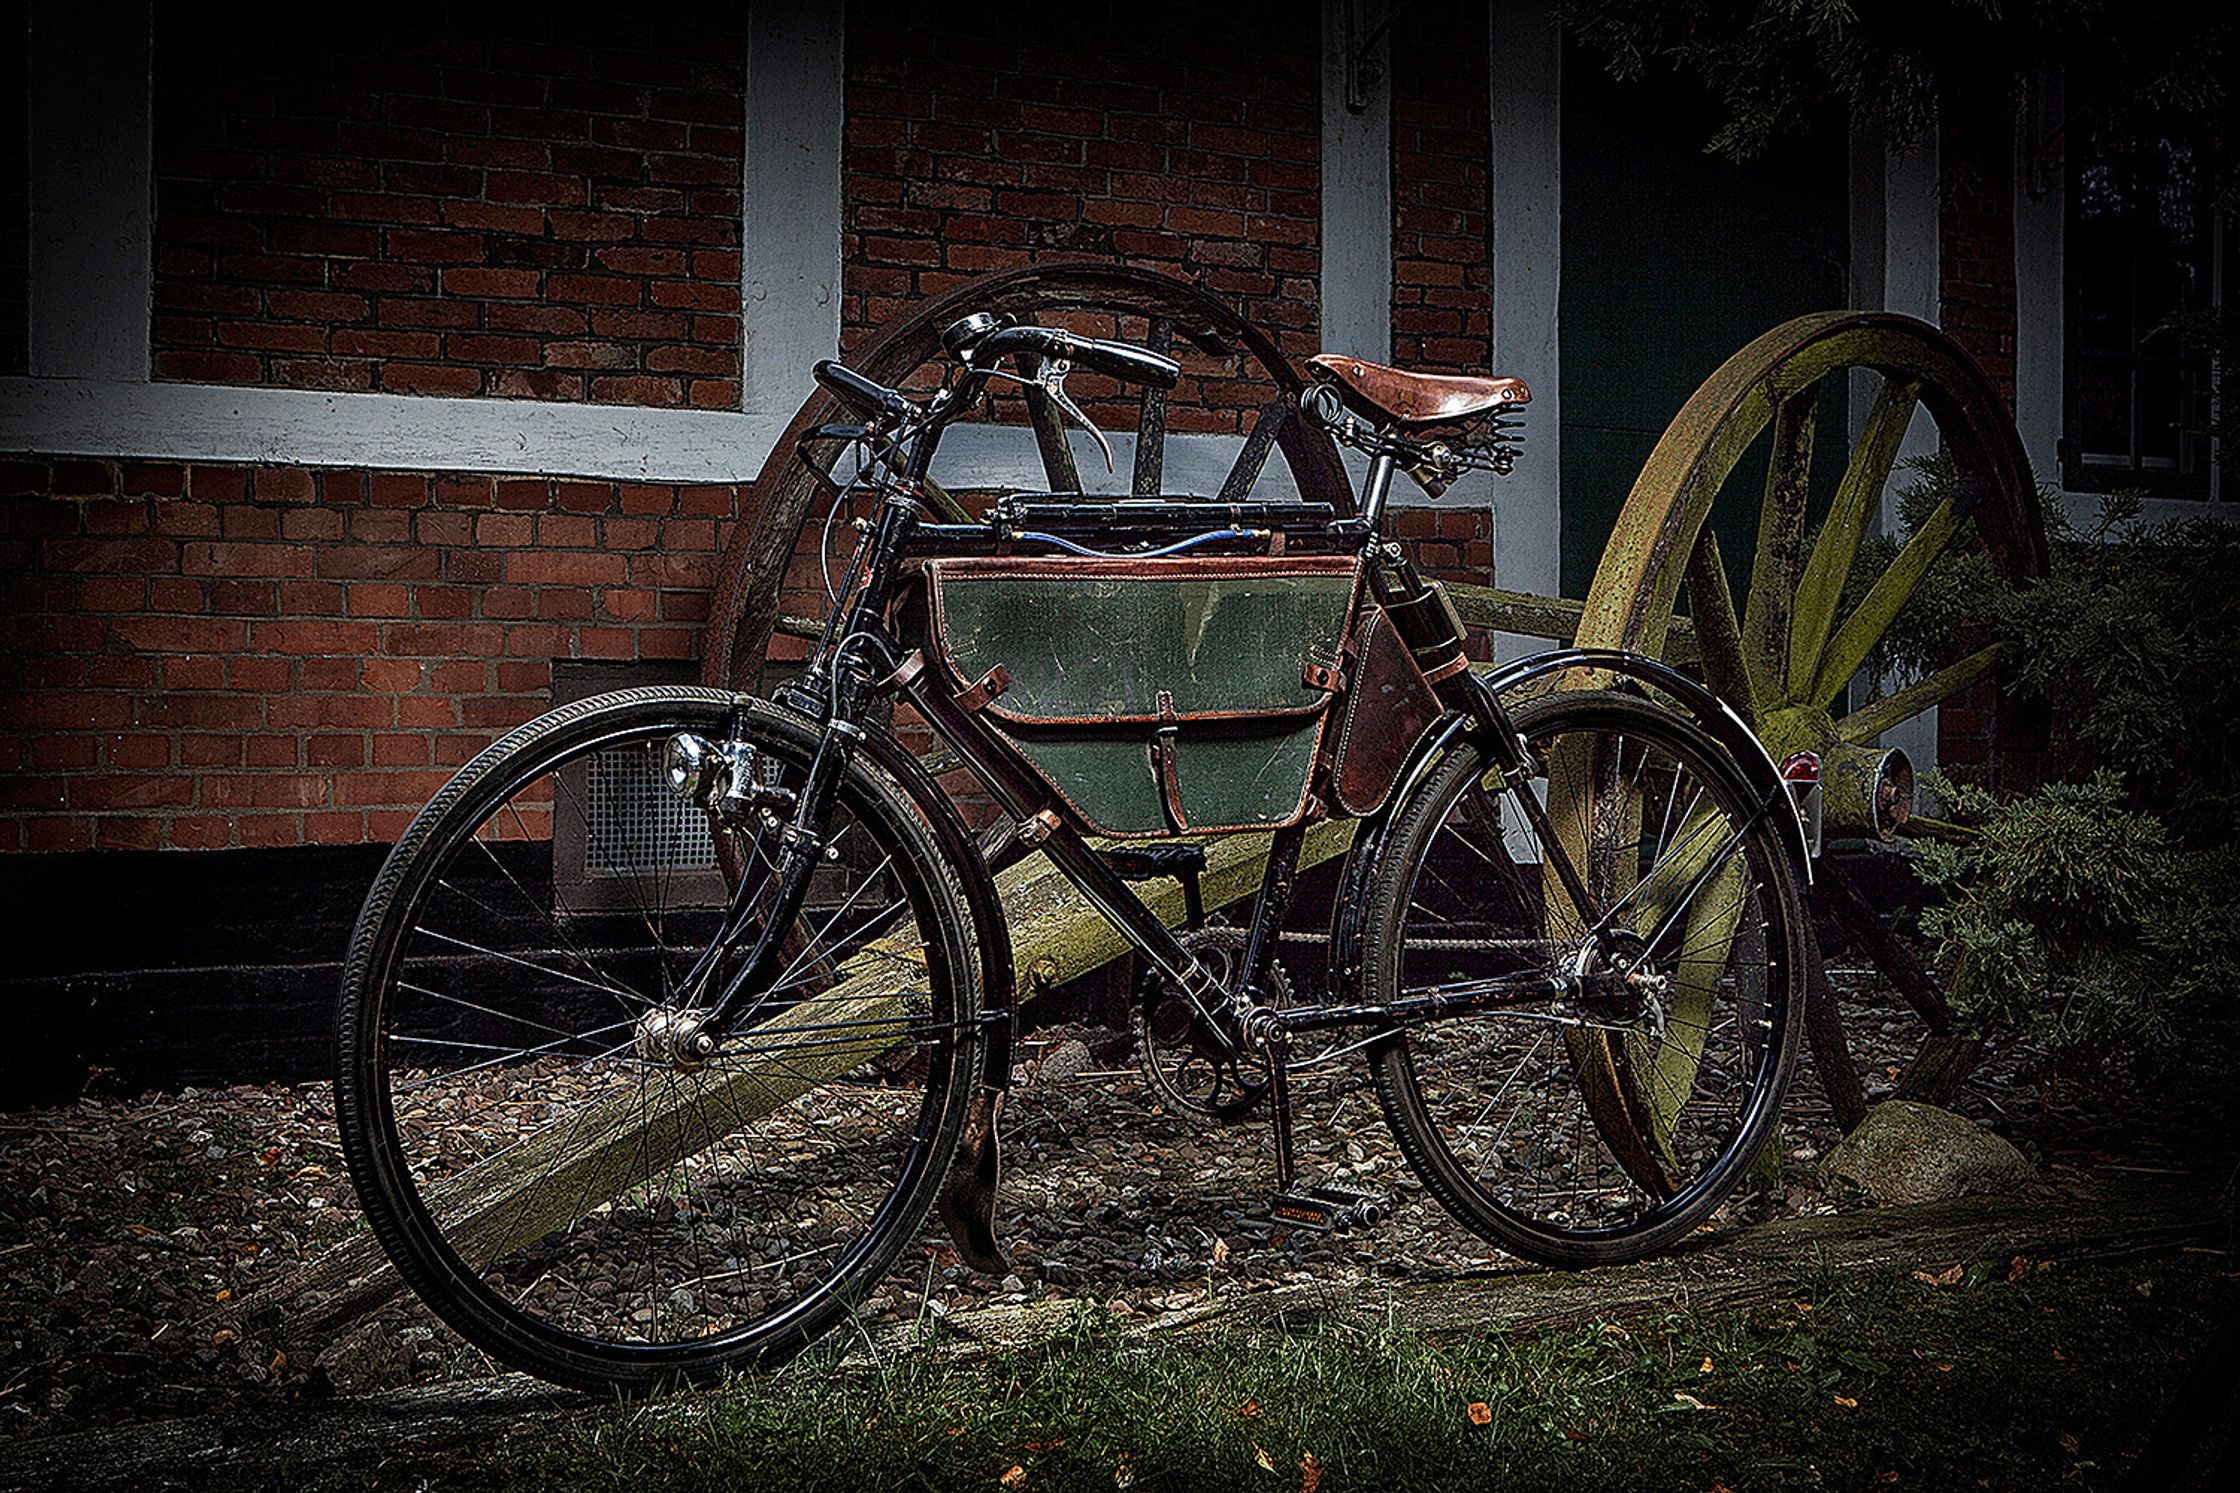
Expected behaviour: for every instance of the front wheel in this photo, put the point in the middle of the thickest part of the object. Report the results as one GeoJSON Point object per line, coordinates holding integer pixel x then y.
{"type": "Point", "coordinates": [554, 1166]}
{"type": "Point", "coordinates": [1589, 1129]}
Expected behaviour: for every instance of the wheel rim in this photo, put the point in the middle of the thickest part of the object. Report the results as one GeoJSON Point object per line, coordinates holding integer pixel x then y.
{"type": "Point", "coordinates": [680, 1215]}
{"type": "Point", "coordinates": [1602, 1131]}
{"type": "Point", "coordinates": [1177, 316]}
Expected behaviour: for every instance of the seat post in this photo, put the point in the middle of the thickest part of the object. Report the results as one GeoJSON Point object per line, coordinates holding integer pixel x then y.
{"type": "Point", "coordinates": [1375, 488]}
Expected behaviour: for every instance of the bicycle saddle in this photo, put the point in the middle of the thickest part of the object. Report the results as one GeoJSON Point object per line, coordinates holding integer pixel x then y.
{"type": "Point", "coordinates": [1374, 390]}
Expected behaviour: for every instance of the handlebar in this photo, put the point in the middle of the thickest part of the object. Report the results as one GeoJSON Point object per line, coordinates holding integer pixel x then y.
{"type": "Point", "coordinates": [1122, 360]}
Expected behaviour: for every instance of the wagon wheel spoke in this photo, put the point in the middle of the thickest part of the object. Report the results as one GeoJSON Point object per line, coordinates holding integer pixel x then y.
{"type": "Point", "coordinates": [1058, 469]}
{"type": "Point", "coordinates": [1895, 709]}
{"type": "Point", "coordinates": [1879, 608]}
{"type": "Point", "coordinates": [1719, 635]}
{"type": "Point", "coordinates": [1858, 499]}
{"type": "Point", "coordinates": [1779, 559]}
{"type": "Point", "coordinates": [1151, 425]}
{"type": "Point", "coordinates": [1245, 470]}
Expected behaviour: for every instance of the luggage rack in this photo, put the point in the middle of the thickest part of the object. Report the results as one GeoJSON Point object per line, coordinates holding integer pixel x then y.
{"type": "Point", "coordinates": [1142, 527]}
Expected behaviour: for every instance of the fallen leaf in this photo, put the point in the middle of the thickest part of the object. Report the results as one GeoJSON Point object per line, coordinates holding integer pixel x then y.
{"type": "Point", "coordinates": [1890, 1476]}
{"type": "Point", "coordinates": [1949, 1277]}
{"type": "Point", "coordinates": [279, 1362]}
{"type": "Point", "coordinates": [1310, 1473]}
{"type": "Point", "coordinates": [1249, 1410]}
{"type": "Point", "coordinates": [2016, 1268]}
{"type": "Point", "coordinates": [1260, 1455]}
{"type": "Point", "coordinates": [1573, 1433]}
{"type": "Point", "coordinates": [1802, 1306]}
{"type": "Point", "coordinates": [1691, 1401]}
{"type": "Point", "coordinates": [1705, 1366]}
{"type": "Point", "coordinates": [1481, 1414]}
{"type": "Point", "coordinates": [1124, 1475]}
{"type": "Point", "coordinates": [223, 1296]}
{"type": "Point", "coordinates": [1220, 1252]}
{"type": "Point", "coordinates": [1941, 1366]}
{"type": "Point", "coordinates": [1014, 1476]}
{"type": "Point", "coordinates": [1847, 1402]}
{"type": "Point", "coordinates": [223, 1336]}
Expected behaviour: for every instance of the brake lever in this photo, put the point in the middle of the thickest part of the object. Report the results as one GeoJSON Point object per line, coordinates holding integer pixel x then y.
{"type": "Point", "coordinates": [1051, 379]}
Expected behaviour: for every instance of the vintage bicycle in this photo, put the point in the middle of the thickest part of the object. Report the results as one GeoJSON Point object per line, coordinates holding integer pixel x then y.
{"type": "Point", "coordinates": [634, 1098]}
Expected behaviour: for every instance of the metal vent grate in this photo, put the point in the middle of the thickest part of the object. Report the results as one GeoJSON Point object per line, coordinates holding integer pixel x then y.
{"type": "Point", "coordinates": [634, 824]}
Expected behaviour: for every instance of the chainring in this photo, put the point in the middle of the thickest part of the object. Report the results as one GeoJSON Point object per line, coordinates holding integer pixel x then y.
{"type": "Point", "coordinates": [1188, 1065]}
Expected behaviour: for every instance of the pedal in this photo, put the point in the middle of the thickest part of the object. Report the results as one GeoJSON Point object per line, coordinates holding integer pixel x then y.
{"type": "Point", "coordinates": [1327, 1209]}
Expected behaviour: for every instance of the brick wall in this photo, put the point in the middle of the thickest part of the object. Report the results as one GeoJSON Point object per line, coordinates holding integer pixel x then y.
{"type": "Point", "coordinates": [1976, 226]}
{"type": "Point", "coordinates": [458, 207]}
{"type": "Point", "coordinates": [210, 655]}
{"type": "Point", "coordinates": [1183, 137]}
{"type": "Point", "coordinates": [1442, 260]}
{"type": "Point", "coordinates": [1976, 229]}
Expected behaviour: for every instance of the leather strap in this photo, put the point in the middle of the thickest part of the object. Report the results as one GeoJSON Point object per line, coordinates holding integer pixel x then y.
{"type": "Point", "coordinates": [992, 684]}
{"type": "Point", "coordinates": [905, 673]}
{"type": "Point", "coordinates": [1166, 765]}
{"type": "Point", "coordinates": [1454, 665]}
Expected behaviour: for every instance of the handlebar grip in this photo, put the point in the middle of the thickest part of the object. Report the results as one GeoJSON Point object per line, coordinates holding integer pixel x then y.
{"type": "Point", "coordinates": [867, 397]}
{"type": "Point", "coordinates": [1124, 360]}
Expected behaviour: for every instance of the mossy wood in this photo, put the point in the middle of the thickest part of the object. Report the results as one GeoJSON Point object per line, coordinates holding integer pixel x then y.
{"type": "Point", "coordinates": [611, 1147]}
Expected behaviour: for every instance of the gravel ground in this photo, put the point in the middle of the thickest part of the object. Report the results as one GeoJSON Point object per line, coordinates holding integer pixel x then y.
{"type": "Point", "coordinates": [127, 1225]}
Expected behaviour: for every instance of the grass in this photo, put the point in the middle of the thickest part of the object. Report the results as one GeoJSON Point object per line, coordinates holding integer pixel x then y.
{"type": "Point", "coordinates": [2054, 1377]}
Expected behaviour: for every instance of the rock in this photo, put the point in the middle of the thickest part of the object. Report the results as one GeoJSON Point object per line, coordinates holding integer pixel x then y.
{"type": "Point", "coordinates": [1066, 1061]}
{"type": "Point", "coordinates": [362, 1359]}
{"type": "Point", "coordinates": [1904, 1152]}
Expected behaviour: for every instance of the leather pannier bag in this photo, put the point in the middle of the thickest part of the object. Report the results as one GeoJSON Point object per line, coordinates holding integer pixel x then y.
{"type": "Point", "coordinates": [1155, 697]}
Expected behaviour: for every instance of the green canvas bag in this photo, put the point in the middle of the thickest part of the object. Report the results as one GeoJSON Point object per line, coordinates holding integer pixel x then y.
{"type": "Point", "coordinates": [1155, 697]}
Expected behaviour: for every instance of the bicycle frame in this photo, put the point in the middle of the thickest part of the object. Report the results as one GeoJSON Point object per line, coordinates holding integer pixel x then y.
{"type": "Point", "coordinates": [857, 660]}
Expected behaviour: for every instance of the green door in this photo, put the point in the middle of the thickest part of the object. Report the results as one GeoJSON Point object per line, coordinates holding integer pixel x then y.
{"type": "Point", "coordinates": [1672, 260]}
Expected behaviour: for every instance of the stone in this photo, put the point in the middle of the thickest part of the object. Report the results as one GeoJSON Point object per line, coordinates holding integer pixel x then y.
{"type": "Point", "coordinates": [1065, 1062]}
{"type": "Point", "coordinates": [1904, 1152]}
{"type": "Point", "coordinates": [365, 1358]}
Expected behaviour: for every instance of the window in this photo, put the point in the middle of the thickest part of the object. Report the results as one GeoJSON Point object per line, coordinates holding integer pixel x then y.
{"type": "Point", "coordinates": [2141, 257]}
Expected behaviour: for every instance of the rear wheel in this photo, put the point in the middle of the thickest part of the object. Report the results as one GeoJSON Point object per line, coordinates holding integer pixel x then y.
{"type": "Point", "coordinates": [1589, 1129]}
{"type": "Point", "coordinates": [550, 1164]}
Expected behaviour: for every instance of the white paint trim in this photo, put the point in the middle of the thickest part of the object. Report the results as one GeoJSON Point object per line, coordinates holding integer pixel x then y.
{"type": "Point", "coordinates": [1913, 283]}
{"type": "Point", "coordinates": [2040, 317]}
{"type": "Point", "coordinates": [389, 432]}
{"type": "Point", "coordinates": [1525, 79]}
{"type": "Point", "coordinates": [1356, 192]}
{"type": "Point", "coordinates": [1006, 456]}
{"type": "Point", "coordinates": [90, 188]}
{"type": "Point", "coordinates": [796, 117]}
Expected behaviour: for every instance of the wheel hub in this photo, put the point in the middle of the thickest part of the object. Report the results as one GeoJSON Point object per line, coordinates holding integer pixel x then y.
{"type": "Point", "coordinates": [675, 1037]}
{"type": "Point", "coordinates": [1620, 985]}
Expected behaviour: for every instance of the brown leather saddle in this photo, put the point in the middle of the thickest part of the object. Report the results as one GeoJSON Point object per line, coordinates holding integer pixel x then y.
{"type": "Point", "coordinates": [1380, 393]}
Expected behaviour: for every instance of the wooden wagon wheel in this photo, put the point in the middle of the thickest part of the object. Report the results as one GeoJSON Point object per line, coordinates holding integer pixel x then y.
{"type": "Point", "coordinates": [1786, 660]}
{"type": "Point", "coordinates": [1214, 344]}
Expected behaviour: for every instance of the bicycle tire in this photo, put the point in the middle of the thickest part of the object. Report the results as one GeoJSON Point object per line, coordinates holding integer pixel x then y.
{"type": "Point", "coordinates": [1544, 1138]}
{"type": "Point", "coordinates": [544, 1269]}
